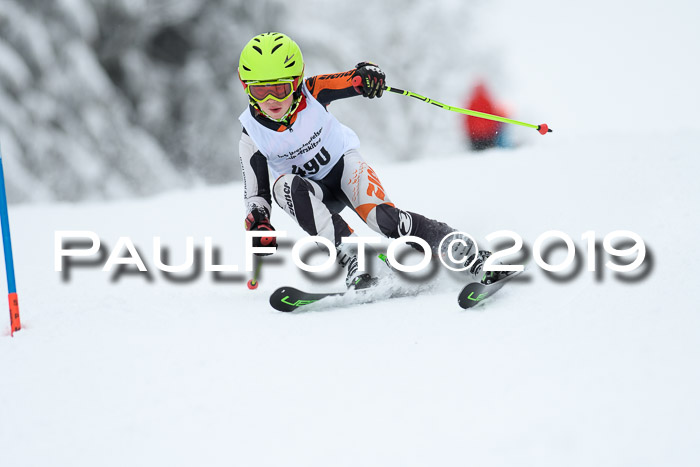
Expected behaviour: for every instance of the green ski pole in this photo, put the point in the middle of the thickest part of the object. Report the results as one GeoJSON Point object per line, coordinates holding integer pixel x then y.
{"type": "Point", "coordinates": [542, 127]}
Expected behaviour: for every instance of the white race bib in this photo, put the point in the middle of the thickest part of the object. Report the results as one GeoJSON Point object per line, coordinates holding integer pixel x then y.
{"type": "Point", "coordinates": [310, 147]}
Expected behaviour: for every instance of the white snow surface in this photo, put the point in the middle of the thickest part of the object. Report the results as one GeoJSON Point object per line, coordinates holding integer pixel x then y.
{"type": "Point", "coordinates": [581, 372]}
{"type": "Point", "coordinates": [578, 372]}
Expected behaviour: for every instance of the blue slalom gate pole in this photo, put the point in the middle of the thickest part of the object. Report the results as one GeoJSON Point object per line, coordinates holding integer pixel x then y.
{"type": "Point", "coordinates": [9, 263]}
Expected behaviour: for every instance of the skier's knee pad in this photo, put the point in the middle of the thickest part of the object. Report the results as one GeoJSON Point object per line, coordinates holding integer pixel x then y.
{"type": "Point", "coordinates": [395, 223]}
{"type": "Point", "coordinates": [289, 190]}
{"type": "Point", "coordinates": [392, 222]}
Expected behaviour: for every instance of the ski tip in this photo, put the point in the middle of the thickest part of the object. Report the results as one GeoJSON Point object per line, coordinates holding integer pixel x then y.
{"type": "Point", "coordinates": [543, 129]}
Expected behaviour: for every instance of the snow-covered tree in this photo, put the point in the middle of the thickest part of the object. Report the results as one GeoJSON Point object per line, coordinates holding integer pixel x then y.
{"type": "Point", "coordinates": [114, 98]}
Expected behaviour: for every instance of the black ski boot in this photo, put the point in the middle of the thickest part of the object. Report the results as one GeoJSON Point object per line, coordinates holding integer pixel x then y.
{"type": "Point", "coordinates": [489, 277]}
{"type": "Point", "coordinates": [347, 258]}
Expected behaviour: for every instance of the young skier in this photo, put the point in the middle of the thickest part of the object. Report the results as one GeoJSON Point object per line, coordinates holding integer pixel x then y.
{"type": "Point", "coordinates": [314, 159]}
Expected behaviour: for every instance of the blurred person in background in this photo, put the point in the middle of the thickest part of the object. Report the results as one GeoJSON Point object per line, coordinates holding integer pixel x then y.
{"type": "Point", "coordinates": [314, 160]}
{"type": "Point", "coordinates": [482, 133]}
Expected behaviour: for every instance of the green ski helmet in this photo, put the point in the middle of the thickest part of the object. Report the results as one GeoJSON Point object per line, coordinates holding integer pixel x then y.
{"type": "Point", "coordinates": [270, 56]}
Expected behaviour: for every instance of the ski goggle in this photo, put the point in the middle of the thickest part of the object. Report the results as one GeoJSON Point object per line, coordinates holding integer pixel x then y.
{"type": "Point", "coordinates": [275, 90]}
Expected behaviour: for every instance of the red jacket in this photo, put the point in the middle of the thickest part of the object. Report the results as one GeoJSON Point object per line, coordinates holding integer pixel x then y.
{"type": "Point", "coordinates": [479, 129]}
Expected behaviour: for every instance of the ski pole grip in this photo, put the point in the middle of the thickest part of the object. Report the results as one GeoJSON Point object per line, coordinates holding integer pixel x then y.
{"type": "Point", "coordinates": [357, 84]}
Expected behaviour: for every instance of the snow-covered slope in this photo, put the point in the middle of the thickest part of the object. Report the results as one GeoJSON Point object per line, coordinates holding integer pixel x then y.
{"type": "Point", "coordinates": [577, 369]}
{"type": "Point", "coordinates": [577, 372]}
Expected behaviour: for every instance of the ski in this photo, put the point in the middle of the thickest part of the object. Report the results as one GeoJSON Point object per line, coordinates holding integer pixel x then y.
{"type": "Point", "coordinates": [290, 299]}
{"type": "Point", "coordinates": [474, 293]}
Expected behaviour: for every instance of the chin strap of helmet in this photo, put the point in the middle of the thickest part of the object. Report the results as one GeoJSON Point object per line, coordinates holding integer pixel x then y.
{"type": "Point", "coordinates": [283, 118]}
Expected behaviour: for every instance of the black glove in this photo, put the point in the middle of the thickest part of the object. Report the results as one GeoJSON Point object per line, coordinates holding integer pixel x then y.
{"type": "Point", "coordinates": [369, 80]}
{"type": "Point", "coordinates": [258, 219]}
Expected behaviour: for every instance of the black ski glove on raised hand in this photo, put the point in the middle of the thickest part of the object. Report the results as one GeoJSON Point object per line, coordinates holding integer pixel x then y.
{"type": "Point", "coordinates": [258, 219]}
{"type": "Point", "coordinates": [369, 80]}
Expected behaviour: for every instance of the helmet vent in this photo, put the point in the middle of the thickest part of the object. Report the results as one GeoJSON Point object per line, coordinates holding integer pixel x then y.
{"type": "Point", "coordinates": [275, 48]}
{"type": "Point", "coordinates": [291, 64]}
{"type": "Point", "coordinates": [256, 39]}
{"type": "Point", "coordinates": [258, 49]}
{"type": "Point", "coordinates": [246, 68]}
